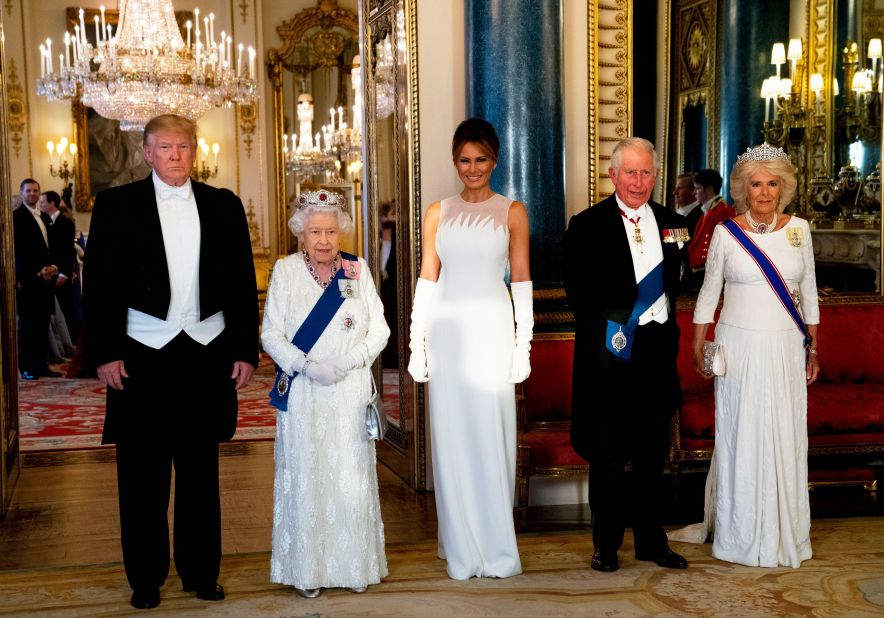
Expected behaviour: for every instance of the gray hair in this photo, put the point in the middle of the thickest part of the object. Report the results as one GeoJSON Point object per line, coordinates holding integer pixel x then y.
{"type": "Point", "coordinates": [638, 143]}
{"type": "Point", "coordinates": [298, 220]}
{"type": "Point", "coordinates": [781, 168]}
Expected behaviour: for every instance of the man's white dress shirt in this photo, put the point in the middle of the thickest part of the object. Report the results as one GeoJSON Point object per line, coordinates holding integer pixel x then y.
{"type": "Point", "coordinates": [645, 256]}
{"type": "Point", "coordinates": [180, 222]}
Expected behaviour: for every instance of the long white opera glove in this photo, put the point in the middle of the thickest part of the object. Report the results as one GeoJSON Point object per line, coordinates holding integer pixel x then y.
{"type": "Point", "coordinates": [424, 294]}
{"type": "Point", "coordinates": [523, 305]}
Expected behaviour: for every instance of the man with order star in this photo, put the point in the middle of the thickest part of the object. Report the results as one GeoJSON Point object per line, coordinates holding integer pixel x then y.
{"type": "Point", "coordinates": [622, 259]}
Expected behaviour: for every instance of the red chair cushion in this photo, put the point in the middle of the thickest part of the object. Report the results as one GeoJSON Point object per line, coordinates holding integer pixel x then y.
{"type": "Point", "coordinates": [845, 408]}
{"type": "Point", "coordinates": [548, 389]}
{"type": "Point", "coordinates": [551, 448]}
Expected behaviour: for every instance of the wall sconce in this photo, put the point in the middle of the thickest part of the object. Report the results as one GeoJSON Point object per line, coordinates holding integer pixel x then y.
{"type": "Point", "coordinates": [860, 116]}
{"type": "Point", "coordinates": [201, 171]}
{"type": "Point", "coordinates": [65, 154]}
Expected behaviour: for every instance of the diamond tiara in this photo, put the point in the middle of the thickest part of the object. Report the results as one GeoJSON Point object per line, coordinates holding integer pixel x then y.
{"type": "Point", "coordinates": [765, 152]}
{"type": "Point", "coordinates": [320, 198]}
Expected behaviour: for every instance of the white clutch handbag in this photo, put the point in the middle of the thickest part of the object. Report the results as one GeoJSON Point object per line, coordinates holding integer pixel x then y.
{"type": "Point", "coordinates": [713, 358]}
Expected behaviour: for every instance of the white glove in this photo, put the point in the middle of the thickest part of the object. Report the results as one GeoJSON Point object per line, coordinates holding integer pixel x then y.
{"type": "Point", "coordinates": [343, 363]}
{"type": "Point", "coordinates": [424, 294]}
{"type": "Point", "coordinates": [323, 373]}
{"type": "Point", "coordinates": [523, 305]}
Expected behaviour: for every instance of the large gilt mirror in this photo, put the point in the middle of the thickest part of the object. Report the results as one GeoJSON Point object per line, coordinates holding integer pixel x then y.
{"type": "Point", "coordinates": [393, 215]}
{"type": "Point", "coordinates": [316, 88]}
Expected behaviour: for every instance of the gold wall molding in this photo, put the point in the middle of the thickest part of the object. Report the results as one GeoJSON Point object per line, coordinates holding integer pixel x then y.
{"type": "Point", "coordinates": [696, 74]}
{"type": "Point", "coordinates": [820, 33]}
{"type": "Point", "coordinates": [247, 114]}
{"type": "Point", "coordinates": [244, 10]}
{"type": "Point", "coordinates": [16, 108]}
{"type": "Point", "coordinates": [8, 5]}
{"type": "Point", "coordinates": [610, 87]}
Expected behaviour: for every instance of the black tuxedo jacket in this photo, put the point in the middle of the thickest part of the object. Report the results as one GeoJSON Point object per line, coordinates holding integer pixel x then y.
{"type": "Point", "coordinates": [125, 266]}
{"type": "Point", "coordinates": [31, 255]}
{"type": "Point", "coordinates": [599, 280]}
{"type": "Point", "coordinates": [61, 245]}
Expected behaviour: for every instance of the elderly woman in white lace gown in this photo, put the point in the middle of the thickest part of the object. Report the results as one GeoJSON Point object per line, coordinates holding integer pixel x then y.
{"type": "Point", "coordinates": [327, 528]}
{"type": "Point", "coordinates": [757, 498]}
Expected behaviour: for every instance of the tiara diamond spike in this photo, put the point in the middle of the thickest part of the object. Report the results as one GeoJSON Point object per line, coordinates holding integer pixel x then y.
{"type": "Point", "coordinates": [765, 152]}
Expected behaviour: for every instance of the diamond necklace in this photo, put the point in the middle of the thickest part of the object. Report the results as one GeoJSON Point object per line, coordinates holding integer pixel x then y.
{"type": "Point", "coordinates": [761, 228]}
{"type": "Point", "coordinates": [312, 270]}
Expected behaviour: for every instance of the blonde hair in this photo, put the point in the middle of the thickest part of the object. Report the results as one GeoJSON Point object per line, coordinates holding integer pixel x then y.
{"type": "Point", "coordinates": [781, 168]}
{"type": "Point", "coordinates": [169, 122]}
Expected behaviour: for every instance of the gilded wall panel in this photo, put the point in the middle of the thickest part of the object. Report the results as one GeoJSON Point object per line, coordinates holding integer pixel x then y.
{"type": "Point", "coordinates": [610, 88]}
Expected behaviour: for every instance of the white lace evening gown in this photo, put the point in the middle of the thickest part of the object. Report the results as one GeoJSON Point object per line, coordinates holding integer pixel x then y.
{"type": "Point", "coordinates": [757, 492]}
{"type": "Point", "coordinates": [327, 528]}
{"type": "Point", "coordinates": [470, 345]}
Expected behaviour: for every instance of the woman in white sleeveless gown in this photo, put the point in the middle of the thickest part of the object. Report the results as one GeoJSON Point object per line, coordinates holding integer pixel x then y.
{"type": "Point", "coordinates": [464, 342]}
{"type": "Point", "coordinates": [757, 502]}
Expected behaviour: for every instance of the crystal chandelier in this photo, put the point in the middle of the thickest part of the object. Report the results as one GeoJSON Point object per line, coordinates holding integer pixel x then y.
{"type": "Point", "coordinates": [336, 145]}
{"type": "Point", "coordinates": [145, 69]}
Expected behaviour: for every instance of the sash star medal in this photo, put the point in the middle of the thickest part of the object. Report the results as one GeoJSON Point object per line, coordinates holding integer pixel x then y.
{"type": "Point", "coordinates": [795, 236]}
{"type": "Point", "coordinates": [619, 341]}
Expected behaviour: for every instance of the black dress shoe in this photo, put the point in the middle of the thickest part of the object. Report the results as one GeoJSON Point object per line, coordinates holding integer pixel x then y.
{"type": "Point", "coordinates": [668, 559]}
{"type": "Point", "coordinates": [605, 560]}
{"type": "Point", "coordinates": [145, 599]}
{"type": "Point", "coordinates": [29, 375]}
{"type": "Point", "coordinates": [213, 592]}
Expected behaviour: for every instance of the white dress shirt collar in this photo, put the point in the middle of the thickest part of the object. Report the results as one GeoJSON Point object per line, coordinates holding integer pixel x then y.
{"type": "Point", "coordinates": [166, 191]}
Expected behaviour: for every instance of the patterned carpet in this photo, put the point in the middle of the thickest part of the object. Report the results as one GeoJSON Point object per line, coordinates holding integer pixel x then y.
{"type": "Point", "coordinates": [845, 578]}
{"type": "Point", "coordinates": [65, 414]}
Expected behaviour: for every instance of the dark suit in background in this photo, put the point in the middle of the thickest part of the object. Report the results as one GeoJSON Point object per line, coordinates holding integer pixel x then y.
{"type": "Point", "coordinates": [61, 247]}
{"type": "Point", "coordinates": [621, 410]}
{"type": "Point", "coordinates": [179, 401]}
{"type": "Point", "coordinates": [35, 300]}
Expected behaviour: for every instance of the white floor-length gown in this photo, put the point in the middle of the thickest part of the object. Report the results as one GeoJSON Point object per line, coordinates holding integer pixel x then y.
{"type": "Point", "coordinates": [327, 528]}
{"type": "Point", "coordinates": [758, 491]}
{"type": "Point", "coordinates": [470, 345]}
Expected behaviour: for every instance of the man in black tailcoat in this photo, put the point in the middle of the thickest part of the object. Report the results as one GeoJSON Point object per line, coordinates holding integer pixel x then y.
{"type": "Point", "coordinates": [35, 275]}
{"type": "Point", "coordinates": [626, 385]}
{"type": "Point", "coordinates": [171, 321]}
{"type": "Point", "coordinates": [61, 233]}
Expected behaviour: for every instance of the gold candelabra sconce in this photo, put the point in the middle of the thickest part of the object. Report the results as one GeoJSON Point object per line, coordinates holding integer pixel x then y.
{"type": "Point", "coordinates": [202, 171]}
{"type": "Point", "coordinates": [860, 114]}
{"type": "Point", "coordinates": [62, 159]}
{"type": "Point", "coordinates": [792, 123]}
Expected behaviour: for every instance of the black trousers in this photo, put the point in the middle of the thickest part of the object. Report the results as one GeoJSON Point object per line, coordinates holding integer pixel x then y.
{"type": "Point", "coordinates": [168, 429]}
{"type": "Point", "coordinates": [633, 427]}
{"type": "Point", "coordinates": [33, 329]}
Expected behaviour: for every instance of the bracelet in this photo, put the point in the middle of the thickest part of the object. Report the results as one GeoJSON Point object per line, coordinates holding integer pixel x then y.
{"type": "Point", "coordinates": [811, 350]}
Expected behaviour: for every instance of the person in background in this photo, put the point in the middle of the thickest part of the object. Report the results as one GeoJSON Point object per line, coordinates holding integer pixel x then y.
{"type": "Point", "coordinates": [62, 247]}
{"type": "Point", "coordinates": [35, 275]}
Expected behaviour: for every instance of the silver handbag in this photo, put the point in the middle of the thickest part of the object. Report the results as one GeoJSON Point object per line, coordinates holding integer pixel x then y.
{"type": "Point", "coordinates": [713, 358]}
{"type": "Point", "coordinates": [375, 419]}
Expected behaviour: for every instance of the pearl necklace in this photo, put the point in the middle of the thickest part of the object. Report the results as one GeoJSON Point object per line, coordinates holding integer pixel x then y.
{"type": "Point", "coordinates": [312, 270]}
{"type": "Point", "coordinates": [761, 228]}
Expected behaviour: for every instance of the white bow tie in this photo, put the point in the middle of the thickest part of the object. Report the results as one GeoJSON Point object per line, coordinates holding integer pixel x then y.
{"type": "Point", "coordinates": [182, 192]}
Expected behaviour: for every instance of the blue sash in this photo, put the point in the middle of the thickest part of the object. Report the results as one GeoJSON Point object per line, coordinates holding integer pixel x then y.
{"type": "Point", "coordinates": [770, 272]}
{"type": "Point", "coordinates": [308, 334]}
{"type": "Point", "coordinates": [619, 337]}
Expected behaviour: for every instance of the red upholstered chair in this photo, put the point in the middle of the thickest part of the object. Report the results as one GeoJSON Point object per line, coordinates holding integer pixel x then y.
{"type": "Point", "coordinates": [544, 417]}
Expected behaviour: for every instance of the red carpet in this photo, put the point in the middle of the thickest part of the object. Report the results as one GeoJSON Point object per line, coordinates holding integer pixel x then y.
{"type": "Point", "coordinates": [58, 413]}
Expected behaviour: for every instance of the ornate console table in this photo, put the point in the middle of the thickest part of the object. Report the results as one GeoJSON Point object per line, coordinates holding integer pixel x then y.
{"type": "Point", "coordinates": [861, 248]}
